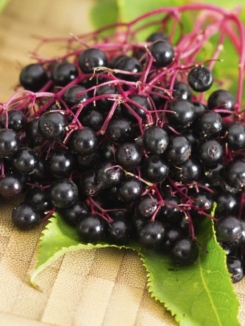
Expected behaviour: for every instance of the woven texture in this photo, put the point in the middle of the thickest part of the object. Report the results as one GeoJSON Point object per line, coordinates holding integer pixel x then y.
{"type": "Point", "coordinates": [91, 288]}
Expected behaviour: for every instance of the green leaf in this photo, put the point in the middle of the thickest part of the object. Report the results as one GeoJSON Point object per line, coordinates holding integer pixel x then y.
{"type": "Point", "coordinates": [3, 4]}
{"type": "Point", "coordinates": [201, 294]}
{"type": "Point", "coordinates": [59, 238]}
{"type": "Point", "coordinates": [104, 12]}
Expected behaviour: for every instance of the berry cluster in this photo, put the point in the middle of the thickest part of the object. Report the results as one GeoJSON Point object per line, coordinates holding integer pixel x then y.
{"type": "Point", "coordinates": [117, 137]}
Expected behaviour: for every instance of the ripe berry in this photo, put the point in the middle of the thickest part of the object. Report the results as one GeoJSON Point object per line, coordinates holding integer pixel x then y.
{"type": "Point", "coordinates": [182, 91]}
{"type": "Point", "coordinates": [163, 53]}
{"type": "Point", "coordinates": [119, 231]}
{"type": "Point", "coordinates": [235, 136]}
{"type": "Point", "coordinates": [130, 190]}
{"type": "Point", "coordinates": [9, 142]}
{"type": "Point", "coordinates": [39, 198]}
{"type": "Point", "coordinates": [109, 175]}
{"type": "Point", "coordinates": [71, 97]}
{"type": "Point", "coordinates": [25, 160]}
{"type": "Point", "coordinates": [91, 228]}
{"type": "Point", "coordinates": [151, 234]}
{"type": "Point", "coordinates": [211, 153]}
{"type": "Point", "coordinates": [235, 174]}
{"type": "Point", "coordinates": [16, 120]}
{"type": "Point", "coordinates": [155, 169]}
{"type": "Point", "coordinates": [128, 155]}
{"type": "Point", "coordinates": [183, 114]}
{"type": "Point", "coordinates": [25, 216]}
{"type": "Point", "coordinates": [187, 172]}
{"type": "Point", "coordinates": [120, 130]}
{"type": "Point", "coordinates": [208, 125]}
{"type": "Point", "coordinates": [200, 79]}
{"type": "Point", "coordinates": [63, 73]}
{"type": "Point", "coordinates": [235, 267]}
{"type": "Point", "coordinates": [92, 58]}
{"type": "Point", "coordinates": [156, 36]}
{"type": "Point", "coordinates": [127, 64]}
{"type": "Point", "coordinates": [63, 193]}
{"type": "Point", "coordinates": [184, 252]}
{"type": "Point", "coordinates": [83, 141]}
{"type": "Point", "coordinates": [91, 118]}
{"type": "Point", "coordinates": [88, 184]}
{"type": "Point", "coordinates": [179, 149]}
{"type": "Point", "coordinates": [52, 125]}
{"type": "Point", "coordinates": [229, 229]}
{"type": "Point", "coordinates": [61, 163]}
{"type": "Point", "coordinates": [74, 213]}
{"type": "Point", "coordinates": [221, 99]}
{"type": "Point", "coordinates": [146, 206]}
{"type": "Point", "coordinates": [12, 185]}
{"type": "Point", "coordinates": [141, 112]}
{"type": "Point", "coordinates": [33, 134]}
{"type": "Point", "coordinates": [33, 77]}
{"type": "Point", "coordinates": [155, 140]}
{"type": "Point", "coordinates": [227, 204]}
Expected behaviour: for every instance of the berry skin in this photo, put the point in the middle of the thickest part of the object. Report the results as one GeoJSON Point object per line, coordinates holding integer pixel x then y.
{"type": "Point", "coordinates": [227, 204]}
{"type": "Point", "coordinates": [119, 231]}
{"type": "Point", "coordinates": [74, 213]}
{"type": "Point", "coordinates": [83, 141]}
{"type": "Point", "coordinates": [229, 229]}
{"type": "Point", "coordinates": [91, 228]}
{"type": "Point", "coordinates": [16, 120]}
{"type": "Point", "coordinates": [235, 174]}
{"type": "Point", "coordinates": [88, 184]}
{"type": "Point", "coordinates": [169, 214]}
{"type": "Point", "coordinates": [91, 118]}
{"type": "Point", "coordinates": [33, 77]}
{"type": "Point", "coordinates": [163, 53]}
{"type": "Point", "coordinates": [182, 91]}
{"type": "Point", "coordinates": [127, 64]}
{"type": "Point", "coordinates": [140, 100]}
{"type": "Point", "coordinates": [52, 125]}
{"type": "Point", "coordinates": [120, 130]}
{"type": "Point", "coordinates": [92, 58]}
{"type": "Point", "coordinates": [200, 79]}
{"type": "Point", "coordinates": [25, 160]}
{"type": "Point", "coordinates": [151, 234]}
{"type": "Point", "coordinates": [187, 172]}
{"type": "Point", "coordinates": [25, 216]}
{"type": "Point", "coordinates": [33, 134]}
{"type": "Point", "coordinates": [235, 267]}
{"type": "Point", "coordinates": [179, 149]}
{"type": "Point", "coordinates": [221, 99]}
{"type": "Point", "coordinates": [63, 73]}
{"type": "Point", "coordinates": [109, 175]}
{"type": "Point", "coordinates": [146, 206]}
{"type": "Point", "coordinates": [39, 198]}
{"type": "Point", "coordinates": [211, 153]}
{"type": "Point", "coordinates": [9, 142]}
{"type": "Point", "coordinates": [235, 136]}
{"type": "Point", "coordinates": [184, 252]}
{"type": "Point", "coordinates": [128, 155]}
{"type": "Point", "coordinates": [183, 114]}
{"type": "Point", "coordinates": [156, 36]}
{"type": "Point", "coordinates": [171, 236]}
{"type": "Point", "coordinates": [63, 193]}
{"type": "Point", "coordinates": [71, 97]}
{"type": "Point", "coordinates": [130, 190]}
{"type": "Point", "coordinates": [155, 169]}
{"type": "Point", "coordinates": [208, 125]}
{"type": "Point", "coordinates": [61, 163]}
{"type": "Point", "coordinates": [155, 140]}
{"type": "Point", "coordinates": [12, 185]}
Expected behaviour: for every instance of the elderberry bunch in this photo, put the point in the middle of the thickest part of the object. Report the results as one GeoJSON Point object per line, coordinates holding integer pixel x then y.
{"type": "Point", "coordinates": [124, 143]}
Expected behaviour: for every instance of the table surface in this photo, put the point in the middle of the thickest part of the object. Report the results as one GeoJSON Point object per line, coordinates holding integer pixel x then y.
{"type": "Point", "coordinates": [90, 288]}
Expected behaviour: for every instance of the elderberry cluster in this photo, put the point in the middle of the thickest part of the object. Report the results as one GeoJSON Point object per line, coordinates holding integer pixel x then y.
{"type": "Point", "coordinates": [120, 144]}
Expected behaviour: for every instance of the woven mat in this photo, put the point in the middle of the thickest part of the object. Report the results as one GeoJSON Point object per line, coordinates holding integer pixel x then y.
{"type": "Point", "coordinates": [105, 287]}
